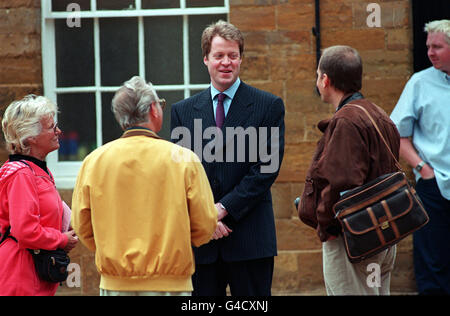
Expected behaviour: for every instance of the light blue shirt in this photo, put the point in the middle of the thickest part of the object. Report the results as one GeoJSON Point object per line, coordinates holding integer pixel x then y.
{"type": "Point", "coordinates": [423, 112]}
{"type": "Point", "coordinates": [230, 92]}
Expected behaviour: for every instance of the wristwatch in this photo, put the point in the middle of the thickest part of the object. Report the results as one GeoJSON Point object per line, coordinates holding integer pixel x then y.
{"type": "Point", "coordinates": [419, 166]}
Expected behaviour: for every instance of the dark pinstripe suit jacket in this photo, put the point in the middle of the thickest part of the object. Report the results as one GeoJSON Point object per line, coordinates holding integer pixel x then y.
{"type": "Point", "coordinates": [240, 184]}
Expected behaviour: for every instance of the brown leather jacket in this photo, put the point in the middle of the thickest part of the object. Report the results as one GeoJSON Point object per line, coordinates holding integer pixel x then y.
{"type": "Point", "coordinates": [349, 154]}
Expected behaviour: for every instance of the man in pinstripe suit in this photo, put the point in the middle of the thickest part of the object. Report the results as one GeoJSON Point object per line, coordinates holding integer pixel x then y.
{"type": "Point", "coordinates": [238, 133]}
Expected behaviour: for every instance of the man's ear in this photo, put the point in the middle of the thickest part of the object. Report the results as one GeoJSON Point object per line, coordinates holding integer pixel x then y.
{"type": "Point", "coordinates": [205, 61]}
{"type": "Point", "coordinates": [153, 113]}
{"type": "Point", "coordinates": [326, 80]}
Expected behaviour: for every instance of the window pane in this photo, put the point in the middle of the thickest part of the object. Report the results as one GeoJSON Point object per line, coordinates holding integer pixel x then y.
{"type": "Point", "coordinates": [115, 4]}
{"type": "Point", "coordinates": [76, 119]}
{"type": "Point", "coordinates": [164, 50]}
{"type": "Point", "coordinates": [118, 50]}
{"type": "Point", "coordinates": [74, 54]}
{"type": "Point", "coordinates": [171, 98]}
{"type": "Point", "coordinates": [204, 3]}
{"type": "Point", "coordinates": [160, 4]}
{"type": "Point", "coordinates": [111, 129]}
{"type": "Point", "coordinates": [197, 23]}
{"type": "Point", "coordinates": [61, 5]}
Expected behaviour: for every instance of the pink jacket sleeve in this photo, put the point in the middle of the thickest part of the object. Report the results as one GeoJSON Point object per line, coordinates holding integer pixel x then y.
{"type": "Point", "coordinates": [27, 225]}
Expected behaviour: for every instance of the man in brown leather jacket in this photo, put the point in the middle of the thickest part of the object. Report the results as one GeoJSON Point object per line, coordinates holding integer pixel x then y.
{"type": "Point", "coordinates": [349, 154]}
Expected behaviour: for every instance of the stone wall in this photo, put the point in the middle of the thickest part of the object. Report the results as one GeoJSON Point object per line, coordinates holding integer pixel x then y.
{"type": "Point", "coordinates": [20, 53]}
{"type": "Point", "coordinates": [279, 57]}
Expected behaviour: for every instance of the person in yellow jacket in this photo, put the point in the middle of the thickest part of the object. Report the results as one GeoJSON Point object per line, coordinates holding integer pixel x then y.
{"type": "Point", "coordinates": [139, 207]}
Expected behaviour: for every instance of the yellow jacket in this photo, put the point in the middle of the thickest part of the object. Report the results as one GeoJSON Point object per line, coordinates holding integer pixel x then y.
{"type": "Point", "coordinates": [140, 209]}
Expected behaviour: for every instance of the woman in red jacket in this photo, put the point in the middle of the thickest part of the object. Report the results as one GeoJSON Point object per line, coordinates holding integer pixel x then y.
{"type": "Point", "coordinates": [31, 209]}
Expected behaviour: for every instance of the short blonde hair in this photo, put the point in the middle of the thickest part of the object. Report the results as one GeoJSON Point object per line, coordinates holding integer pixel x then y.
{"type": "Point", "coordinates": [22, 120]}
{"type": "Point", "coordinates": [439, 26]}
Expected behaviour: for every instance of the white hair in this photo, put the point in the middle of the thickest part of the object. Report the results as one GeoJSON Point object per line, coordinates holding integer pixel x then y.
{"type": "Point", "coordinates": [131, 103]}
{"type": "Point", "coordinates": [22, 120]}
{"type": "Point", "coordinates": [439, 26]}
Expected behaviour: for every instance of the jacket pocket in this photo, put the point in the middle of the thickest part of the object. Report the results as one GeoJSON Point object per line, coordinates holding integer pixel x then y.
{"type": "Point", "coordinates": [308, 203]}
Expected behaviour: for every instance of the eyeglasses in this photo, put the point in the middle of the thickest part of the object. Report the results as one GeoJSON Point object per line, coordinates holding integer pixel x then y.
{"type": "Point", "coordinates": [162, 103]}
{"type": "Point", "coordinates": [54, 127]}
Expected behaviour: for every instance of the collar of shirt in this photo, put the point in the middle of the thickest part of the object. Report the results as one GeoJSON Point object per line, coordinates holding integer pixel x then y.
{"type": "Point", "coordinates": [39, 163]}
{"type": "Point", "coordinates": [139, 131]}
{"type": "Point", "coordinates": [350, 97]}
{"type": "Point", "coordinates": [230, 92]}
{"type": "Point", "coordinates": [442, 75]}
{"type": "Point", "coordinates": [447, 77]}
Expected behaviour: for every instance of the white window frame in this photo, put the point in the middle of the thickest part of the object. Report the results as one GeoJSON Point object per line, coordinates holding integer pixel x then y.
{"type": "Point", "coordinates": [65, 172]}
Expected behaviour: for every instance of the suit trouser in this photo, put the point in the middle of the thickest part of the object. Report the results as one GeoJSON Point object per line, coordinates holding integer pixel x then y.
{"type": "Point", "coordinates": [432, 242]}
{"type": "Point", "coordinates": [245, 278]}
{"type": "Point", "coordinates": [371, 276]}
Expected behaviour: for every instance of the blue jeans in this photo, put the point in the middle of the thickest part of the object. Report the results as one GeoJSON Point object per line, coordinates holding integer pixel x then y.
{"type": "Point", "coordinates": [432, 242]}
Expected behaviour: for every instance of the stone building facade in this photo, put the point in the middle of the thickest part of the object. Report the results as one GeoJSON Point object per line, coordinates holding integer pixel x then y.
{"type": "Point", "coordinates": [280, 57]}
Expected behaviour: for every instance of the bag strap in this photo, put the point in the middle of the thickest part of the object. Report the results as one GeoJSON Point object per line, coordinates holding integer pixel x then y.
{"type": "Point", "coordinates": [397, 164]}
{"type": "Point", "coordinates": [7, 234]}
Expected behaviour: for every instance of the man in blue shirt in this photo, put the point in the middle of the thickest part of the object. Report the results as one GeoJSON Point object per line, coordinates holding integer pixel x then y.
{"type": "Point", "coordinates": [422, 116]}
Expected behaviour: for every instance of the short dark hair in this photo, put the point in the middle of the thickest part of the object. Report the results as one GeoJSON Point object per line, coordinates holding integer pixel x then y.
{"type": "Point", "coordinates": [343, 66]}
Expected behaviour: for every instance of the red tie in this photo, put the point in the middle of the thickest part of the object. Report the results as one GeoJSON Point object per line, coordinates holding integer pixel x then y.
{"type": "Point", "coordinates": [220, 113]}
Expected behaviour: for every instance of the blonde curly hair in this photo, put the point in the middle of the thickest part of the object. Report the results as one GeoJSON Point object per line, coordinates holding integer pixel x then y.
{"type": "Point", "coordinates": [22, 120]}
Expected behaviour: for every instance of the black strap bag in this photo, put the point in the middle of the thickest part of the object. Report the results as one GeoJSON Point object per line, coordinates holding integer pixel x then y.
{"type": "Point", "coordinates": [50, 265]}
{"type": "Point", "coordinates": [380, 213]}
